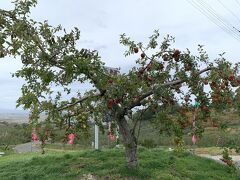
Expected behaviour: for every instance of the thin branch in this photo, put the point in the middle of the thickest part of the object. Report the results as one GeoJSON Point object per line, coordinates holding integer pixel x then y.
{"type": "Point", "coordinates": [139, 118]}
{"type": "Point", "coordinates": [68, 105]}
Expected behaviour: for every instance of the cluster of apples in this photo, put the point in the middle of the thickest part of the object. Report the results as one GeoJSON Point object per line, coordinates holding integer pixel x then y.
{"type": "Point", "coordinates": [157, 66]}
{"type": "Point", "coordinates": [176, 56]}
{"type": "Point", "coordinates": [136, 50]}
{"type": "Point", "coordinates": [143, 69]}
{"type": "Point", "coordinates": [224, 85]}
{"type": "Point", "coordinates": [112, 102]}
{"type": "Point", "coordinates": [234, 81]}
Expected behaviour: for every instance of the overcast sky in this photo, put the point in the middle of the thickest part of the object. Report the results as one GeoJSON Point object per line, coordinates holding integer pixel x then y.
{"type": "Point", "coordinates": [101, 23]}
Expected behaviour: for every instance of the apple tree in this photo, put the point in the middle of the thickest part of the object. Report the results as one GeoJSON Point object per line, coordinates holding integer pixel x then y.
{"type": "Point", "coordinates": [53, 62]}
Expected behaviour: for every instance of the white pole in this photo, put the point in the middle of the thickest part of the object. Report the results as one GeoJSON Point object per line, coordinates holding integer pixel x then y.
{"type": "Point", "coordinates": [96, 137]}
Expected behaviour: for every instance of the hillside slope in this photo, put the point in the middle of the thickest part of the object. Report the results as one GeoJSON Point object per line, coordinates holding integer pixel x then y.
{"type": "Point", "coordinates": [154, 164]}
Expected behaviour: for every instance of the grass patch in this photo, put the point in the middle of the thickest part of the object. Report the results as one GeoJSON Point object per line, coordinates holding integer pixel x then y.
{"type": "Point", "coordinates": [153, 164]}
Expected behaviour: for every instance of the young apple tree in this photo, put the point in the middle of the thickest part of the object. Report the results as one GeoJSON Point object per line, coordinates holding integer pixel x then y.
{"type": "Point", "coordinates": [52, 63]}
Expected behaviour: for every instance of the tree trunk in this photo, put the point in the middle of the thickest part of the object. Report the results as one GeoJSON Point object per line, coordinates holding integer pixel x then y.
{"type": "Point", "coordinates": [129, 142]}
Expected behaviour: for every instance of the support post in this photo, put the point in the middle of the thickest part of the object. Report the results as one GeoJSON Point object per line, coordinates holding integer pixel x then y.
{"type": "Point", "coordinates": [96, 145]}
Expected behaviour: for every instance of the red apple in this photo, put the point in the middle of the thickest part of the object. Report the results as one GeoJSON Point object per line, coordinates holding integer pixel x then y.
{"type": "Point", "coordinates": [176, 52]}
{"type": "Point", "coordinates": [149, 67]}
{"type": "Point", "coordinates": [141, 71]}
{"type": "Point", "coordinates": [188, 67]}
{"type": "Point", "coordinates": [231, 77]}
{"type": "Point", "coordinates": [204, 107]}
{"type": "Point", "coordinates": [161, 67]}
{"type": "Point", "coordinates": [223, 86]}
{"type": "Point", "coordinates": [205, 82]}
{"type": "Point", "coordinates": [135, 50]}
{"type": "Point", "coordinates": [186, 98]}
{"type": "Point", "coordinates": [176, 55]}
{"type": "Point", "coordinates": [118, 100]}
{"type": "Point", "coordinates": [165, 57]}
{"type": "Point", "coordinates": [213, 84]}
{"type": "Point", "coordinates": [110, 81]}
{"type": "Point", "coordinates": [110, 103]}
{"type": "Point", "coordinates": [143, 55]}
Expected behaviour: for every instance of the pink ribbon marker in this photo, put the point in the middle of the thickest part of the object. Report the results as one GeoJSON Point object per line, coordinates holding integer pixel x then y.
{"type": "Point", "coordinates": [194, 139]}
{"type": "Point", "coordinates": [71, 138]}
{"type": "Point", "coordinates": [34, 135]}
{"type": "Point", "coordinates": [111, 137]}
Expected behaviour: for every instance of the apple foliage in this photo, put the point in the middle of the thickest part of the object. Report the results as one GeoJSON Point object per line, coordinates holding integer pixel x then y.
{"type": "Point", "coordinates": [162, 77]}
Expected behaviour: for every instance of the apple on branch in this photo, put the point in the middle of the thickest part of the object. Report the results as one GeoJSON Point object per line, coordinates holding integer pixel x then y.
{"type": "Point", "coordinates": [143, 55]}
{"type": "Point", "coordinates": [176, 55]}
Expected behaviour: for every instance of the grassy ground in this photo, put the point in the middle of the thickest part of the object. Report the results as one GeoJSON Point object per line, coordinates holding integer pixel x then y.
{"type": "Point", "coordinates": [153, 164]}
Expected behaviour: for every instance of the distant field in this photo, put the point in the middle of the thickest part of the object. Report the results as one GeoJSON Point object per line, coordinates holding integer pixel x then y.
{"type": "Point", "coordinates": [13, 117]}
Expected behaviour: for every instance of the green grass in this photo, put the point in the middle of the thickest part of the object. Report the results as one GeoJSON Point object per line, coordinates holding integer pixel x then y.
{"type": "Point", "coordinates": [153, 164]}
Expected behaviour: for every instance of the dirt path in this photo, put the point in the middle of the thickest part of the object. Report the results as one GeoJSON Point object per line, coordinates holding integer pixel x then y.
{"type": "Point", "coordinates": [28, 147]}
{"type": "Point", "coordinates": [235, 158]}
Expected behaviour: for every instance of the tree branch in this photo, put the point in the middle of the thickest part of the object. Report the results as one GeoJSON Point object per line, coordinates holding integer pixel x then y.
{"type": "Point", "coordinates": [171, 83]}
{"type": "Point", "coordinates": [68, 105]}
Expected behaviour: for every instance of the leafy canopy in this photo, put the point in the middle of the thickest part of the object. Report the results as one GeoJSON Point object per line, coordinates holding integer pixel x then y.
{"type": "Point", "coordinates": [53, 62]}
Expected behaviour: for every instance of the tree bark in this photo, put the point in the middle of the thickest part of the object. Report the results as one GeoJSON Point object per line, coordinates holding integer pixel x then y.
{"type": "Point", "coordinates": [129, 142]}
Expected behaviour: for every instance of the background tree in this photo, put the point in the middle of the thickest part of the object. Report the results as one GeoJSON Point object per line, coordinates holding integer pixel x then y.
{"type": "Point", "coordinates": [53, 62]}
